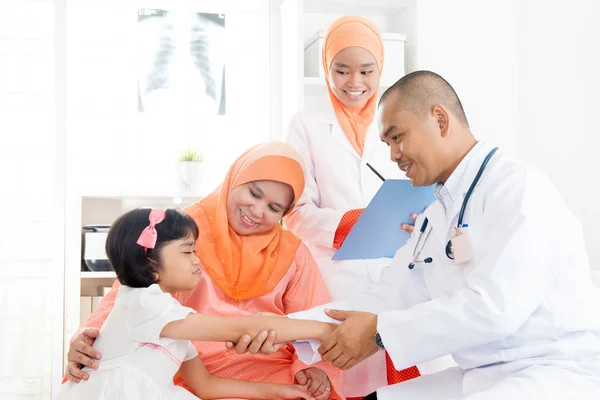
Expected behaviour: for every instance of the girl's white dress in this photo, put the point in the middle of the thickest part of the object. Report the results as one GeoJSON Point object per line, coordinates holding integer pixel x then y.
{"type": "Point", "coordinates": [136, 362]}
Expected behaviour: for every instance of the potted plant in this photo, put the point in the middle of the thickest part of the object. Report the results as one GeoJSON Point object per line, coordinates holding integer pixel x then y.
{"type": "Point", "coordinates": [190, 170]}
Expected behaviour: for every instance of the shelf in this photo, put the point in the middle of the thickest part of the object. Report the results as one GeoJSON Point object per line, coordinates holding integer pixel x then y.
{"type": "Point", "coordinates": [314, 86]}
{"type": "Point", "coordinates": [309, 80]}
{"type": "Point", "coordinates": [98, 275]}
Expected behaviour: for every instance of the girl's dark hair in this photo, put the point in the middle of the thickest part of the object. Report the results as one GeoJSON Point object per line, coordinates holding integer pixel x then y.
{"type": "Point", "coordinates": [133, 265]}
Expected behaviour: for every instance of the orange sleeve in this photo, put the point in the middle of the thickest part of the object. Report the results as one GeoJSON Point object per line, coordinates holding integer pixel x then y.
{"type": "Point", "coordinates": [306, 290]}
{"type": "Point", "coordinates": [346, 224]}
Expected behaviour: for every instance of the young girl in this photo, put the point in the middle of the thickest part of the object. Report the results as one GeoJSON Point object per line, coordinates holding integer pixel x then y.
{"type": "Point", "coordinates": [249, 264]}
{"type": "Point", "coordinates": [337, 139]}
{"type": "Point", "coordinates": [145, 340]}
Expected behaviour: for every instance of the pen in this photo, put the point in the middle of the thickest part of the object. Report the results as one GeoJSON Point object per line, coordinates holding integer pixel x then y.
{"type": "Point", "coordinates": [375, 171]}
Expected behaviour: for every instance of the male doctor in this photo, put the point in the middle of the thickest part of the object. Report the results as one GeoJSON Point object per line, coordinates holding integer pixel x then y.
{"type": "Point", "coordinates": [486, 275]}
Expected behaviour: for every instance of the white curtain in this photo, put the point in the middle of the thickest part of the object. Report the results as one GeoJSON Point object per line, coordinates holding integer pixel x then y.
{"type": "Point", "coordinates": [30, 201]}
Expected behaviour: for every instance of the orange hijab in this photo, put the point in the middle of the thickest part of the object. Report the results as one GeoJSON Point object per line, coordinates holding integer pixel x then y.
{"type": "Point", "coordinates": [248, 266]}
{"type": "Point", "coordinates": [350, 31]}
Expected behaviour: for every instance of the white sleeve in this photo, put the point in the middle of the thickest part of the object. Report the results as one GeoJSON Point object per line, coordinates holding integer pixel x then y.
{"type": "Point", "coordinates": [513, 270]}
{"type": "Point", "coordinates": [151, 311]}
{"type": "Point", "coordinates": [308, 221]}
{"type": "Point", "coordinates": [191, 352]}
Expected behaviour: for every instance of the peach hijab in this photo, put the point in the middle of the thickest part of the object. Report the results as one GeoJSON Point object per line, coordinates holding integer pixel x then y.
{"type": "Point", "coordinates": [248, 266]}
{"type": "Point", "coordinates": [353, 31]}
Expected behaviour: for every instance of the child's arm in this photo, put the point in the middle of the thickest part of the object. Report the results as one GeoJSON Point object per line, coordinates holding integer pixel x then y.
{"type": "Point", "coordinates": [207, 386]}
{"type": "Point", "coordinates": [222, 329]}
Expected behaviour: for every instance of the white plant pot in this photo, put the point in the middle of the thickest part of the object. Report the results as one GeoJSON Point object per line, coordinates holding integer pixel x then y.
{"type": "Point", "coordinates": [189, 176]}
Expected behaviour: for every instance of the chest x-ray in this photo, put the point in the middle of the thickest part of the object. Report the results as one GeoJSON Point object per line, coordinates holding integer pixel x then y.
{"type": "Point", "coordinates": [181, 66]}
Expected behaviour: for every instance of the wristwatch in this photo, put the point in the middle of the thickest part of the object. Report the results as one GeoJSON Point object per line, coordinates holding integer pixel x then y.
{"type": "Point", "coordinates": [378, 341]}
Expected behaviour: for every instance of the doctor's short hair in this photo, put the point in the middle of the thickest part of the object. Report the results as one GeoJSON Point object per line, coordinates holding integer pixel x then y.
{"type": "Point", "coordinates": [419, 91]}
{"type": "Point", "coordinates": [134, 265]}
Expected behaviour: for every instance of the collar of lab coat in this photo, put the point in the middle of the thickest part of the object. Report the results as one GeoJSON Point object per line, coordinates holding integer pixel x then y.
{"type": "Point", "coordinates": [452, 193]}
{"type": "Point", "coordinates": [450, 196]}
{"type": "Point", "coordinates": [327, 116]}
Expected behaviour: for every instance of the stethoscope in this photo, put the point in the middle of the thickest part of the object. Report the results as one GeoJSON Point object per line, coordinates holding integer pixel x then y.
{"type": "Point", "coordinates": [449, 251]}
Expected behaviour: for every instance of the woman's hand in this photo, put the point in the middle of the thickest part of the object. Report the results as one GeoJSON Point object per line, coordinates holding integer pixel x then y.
{"type": "Point", "coordinates": [263, 343]}
{"type": "Point", "coordinates": [317, 382]}
{"type": "Point", "coordinates": [290, 392]}
{"type": "Point", "coordinates": [81, 353]}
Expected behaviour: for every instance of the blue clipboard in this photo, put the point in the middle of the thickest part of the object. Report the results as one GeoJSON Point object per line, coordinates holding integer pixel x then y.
{"type": "Point", "coordinates": [378, 233]}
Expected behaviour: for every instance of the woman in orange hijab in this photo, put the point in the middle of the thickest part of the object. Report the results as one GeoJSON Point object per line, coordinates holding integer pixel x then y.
{"type": "Point", "coordinates": [251, 265]}
{"type": "Point", "coordinates": [337, 138]}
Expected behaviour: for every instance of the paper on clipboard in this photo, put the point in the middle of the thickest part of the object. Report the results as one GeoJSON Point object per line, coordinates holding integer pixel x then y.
{"type": "Point", "coordinates": [378, 233]}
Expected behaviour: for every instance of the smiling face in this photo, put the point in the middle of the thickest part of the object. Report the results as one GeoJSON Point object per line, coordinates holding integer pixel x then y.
{"type": "Point", "coordinates": [256, 207]}
{"type": "Point", "coordinates": [179, 267]}
{"type": "Point", "coordinates": [354, 76]}
{"type": "Point", "coordinates": [416, 144]}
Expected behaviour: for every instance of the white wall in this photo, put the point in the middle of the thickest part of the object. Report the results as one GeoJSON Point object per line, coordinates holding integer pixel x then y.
{"type": "Point", "coordinates": [527, 74]}
{"type": "Point", "coordinates": [30, 173]}
{"type": "Point", "coordinates": [472, 44]}
{"type": "Point", "coordinates": [559, 61]}
{"type": "Point", "coordinates": [115, 148]}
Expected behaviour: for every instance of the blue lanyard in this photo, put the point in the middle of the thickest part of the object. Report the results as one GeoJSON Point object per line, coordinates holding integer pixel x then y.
{"type": "Point", "coordinates": [469, 192]}
{"type": "Point", "coordinates": [473, 184]}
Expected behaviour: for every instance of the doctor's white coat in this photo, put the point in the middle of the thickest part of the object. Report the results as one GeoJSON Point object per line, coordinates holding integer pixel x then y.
{"type": "Point", "coordinates": [521, 319]}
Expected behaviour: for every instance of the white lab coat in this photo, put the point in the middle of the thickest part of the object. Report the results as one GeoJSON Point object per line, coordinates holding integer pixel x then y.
{"type": "Point", "coordinates": [338, 180]}
{"type": "Point", "coordinates": [521, 318]}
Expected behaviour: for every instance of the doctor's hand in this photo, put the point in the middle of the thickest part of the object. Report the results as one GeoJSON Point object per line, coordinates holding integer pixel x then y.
{"type": "Point", "coordinates": [81, 353]}
{"type": "Point", "coordinates": [352, 341]}
{"type": "Point", "coordinates": [316, 382]}
{"type": "Point", "coordinates": [409, 228]}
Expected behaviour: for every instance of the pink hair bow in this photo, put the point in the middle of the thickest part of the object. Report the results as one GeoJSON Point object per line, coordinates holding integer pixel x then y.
{"type": "Point", "coordinates": [148, 236]}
